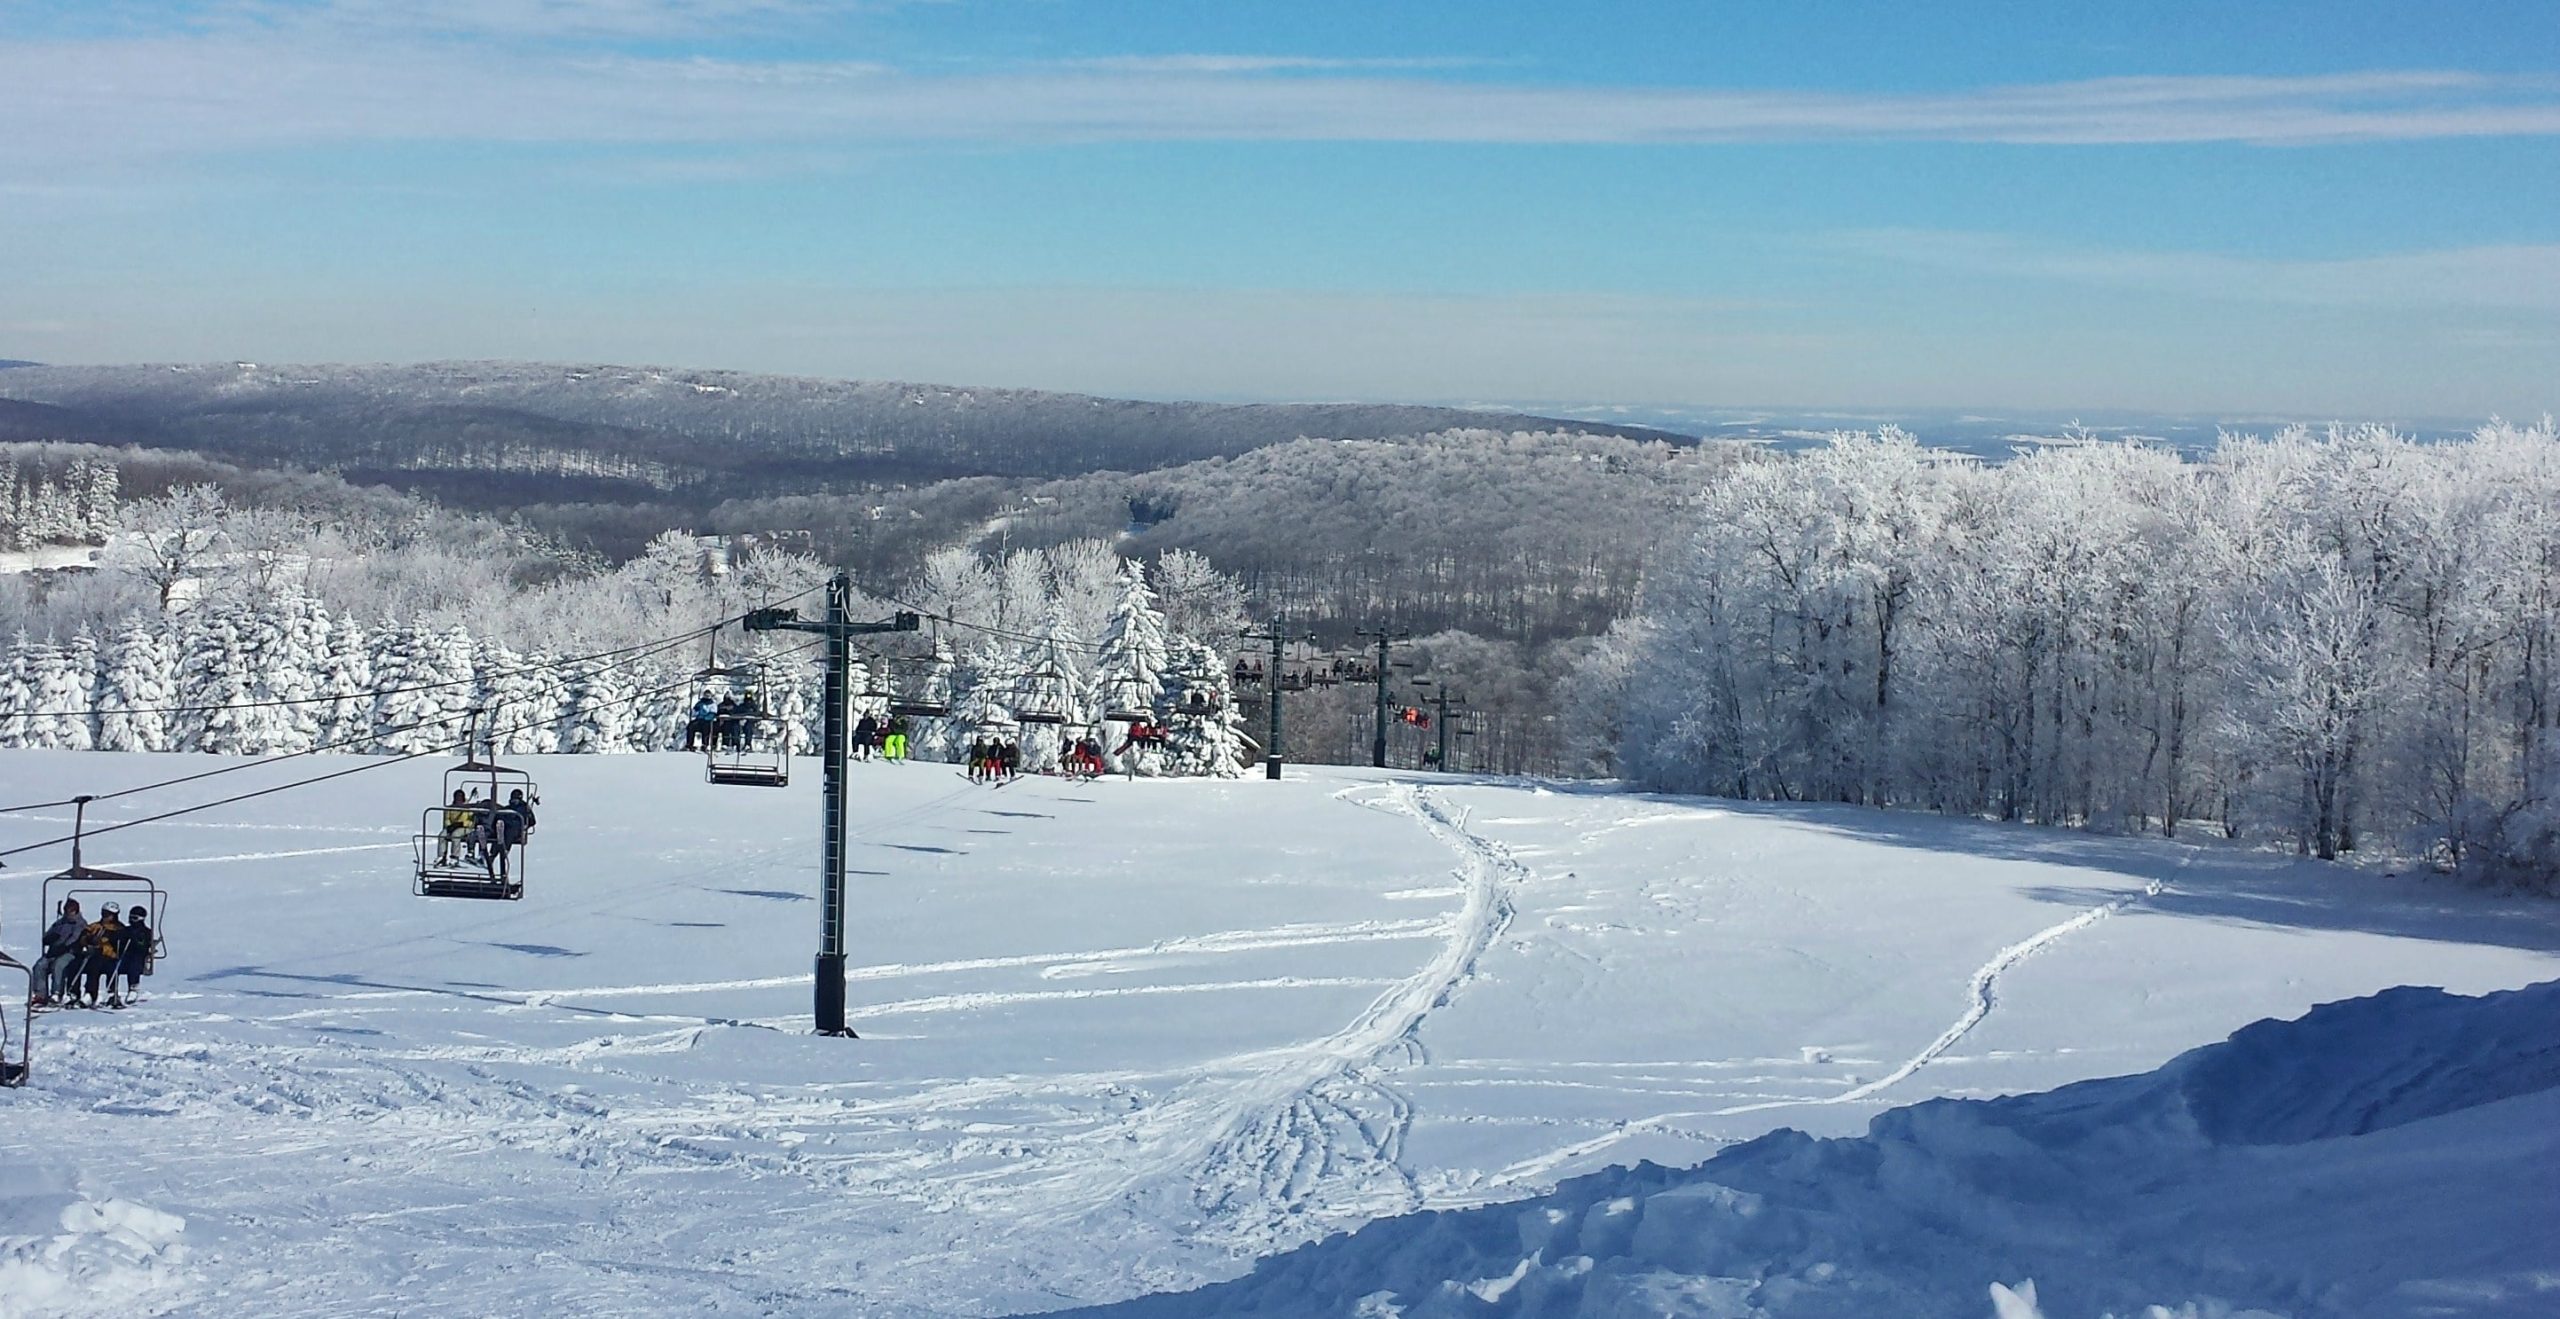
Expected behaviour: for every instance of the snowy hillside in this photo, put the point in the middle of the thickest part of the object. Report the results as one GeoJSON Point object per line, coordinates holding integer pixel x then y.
{"type": "Point", "coordinates": [1123, 1038]}
{"type": "Point", "coordinates": [2382, 1156]}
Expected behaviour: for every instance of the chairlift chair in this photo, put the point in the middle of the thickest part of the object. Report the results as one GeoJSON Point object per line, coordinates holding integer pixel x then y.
{"type": "Point", "coordinates": [1042, 691]}
{"type": "Point", "coordinates": [918, 702]}
{"type": "Point", "coordinates": [17, 1021]}
{"type": "Point", "coordinates": [95, 887]}
{"type": "Point", "coordinates": [469, 856]}
{"type": "Point", "coordinates": [754, 751]}
{"type": "Point", "coordinates": [749, 750]}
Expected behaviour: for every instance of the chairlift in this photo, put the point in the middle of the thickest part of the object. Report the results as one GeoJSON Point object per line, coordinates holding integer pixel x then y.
{"type": "Point", "coordinates": [98, 887]}
{"type": "Point", "coordinates": [1248, 673]}
{"type": "Point", "coordinates": [1043, 692]}
{"type": "Point", "coordinates": [17, 1021]}
{"type": "Point", "coordinates": [749, 746]}
{"type": "Point", "coordinates": [745, 744]}
{"type": "Point", "coordinates": [474, 847]}
{"type": "Point", "coordinates": [81, 880]}
{"type": "Point", "coordinates": [918, 702]}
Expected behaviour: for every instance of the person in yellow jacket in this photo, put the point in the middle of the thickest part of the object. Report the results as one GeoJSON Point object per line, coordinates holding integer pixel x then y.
{"type": "Point", "coordinates": [103, 941]}
{"type": "Point", "coordinates": [457, 826]}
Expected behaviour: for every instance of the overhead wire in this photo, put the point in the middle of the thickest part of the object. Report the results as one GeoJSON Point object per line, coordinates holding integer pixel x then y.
{"type": "Point", "coordinates": [374, 692]}
{"type": "Point", "coordinates": [622, 656]}
{"type": "Point", "coordinates": [375, 734]}
{"type": "Point", "coordinates": [371, 763]}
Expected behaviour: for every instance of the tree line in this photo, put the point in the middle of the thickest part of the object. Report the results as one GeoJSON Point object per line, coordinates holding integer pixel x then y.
{"type": "Point", "coordinates": [2341, 639]}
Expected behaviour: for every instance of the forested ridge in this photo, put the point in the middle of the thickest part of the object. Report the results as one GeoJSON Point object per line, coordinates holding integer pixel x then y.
{"type": "Point", "coordinates": [498, 433]}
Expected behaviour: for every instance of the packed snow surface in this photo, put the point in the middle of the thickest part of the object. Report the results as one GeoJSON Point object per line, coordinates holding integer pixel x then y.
{"type": "Point", "coordinates": [1124, 1038]}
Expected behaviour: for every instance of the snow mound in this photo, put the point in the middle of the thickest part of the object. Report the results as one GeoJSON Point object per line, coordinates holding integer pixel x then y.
{"type": "Point", "coordinates": [2349, 1069]}
{"type": "Point", "coordinates": [2381, 1156]}
{"type": "Point", "coordinates": [64, 1254]}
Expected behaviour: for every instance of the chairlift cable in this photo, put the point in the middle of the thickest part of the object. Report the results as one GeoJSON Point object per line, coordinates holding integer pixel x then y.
{"type": "Point", "coordinates": [629, 655]}
{"type": "Point", "coordinates": [371, 763]}
{"type": "Point", "coordinates": [373, 692]}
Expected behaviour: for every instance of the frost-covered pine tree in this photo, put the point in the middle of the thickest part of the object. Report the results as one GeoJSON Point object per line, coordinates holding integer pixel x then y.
{"type": "Point", "coordinates": [1051, 687]}
{"type": "Point", "coordinates": [423, 688]}
{"type": "Point", "coordinates": [216, 683]}
{"type": "Point", "coordinates": [283, 638]}
{"type": "Point", "coordinates": [18, 706]}
{"type": "Point", "coordinates": [1135, 655]}
{"type": "Point", "coordinates": [658, 704]}
{"type": "Point", "coordinates": [1204, 731]}
{"type": "Point", "coordinates": [137, 685]}
{"type": "Point", "coordinates": [983, 683]}
{"type": "Point", "coordinates": [345, 676]}
{"type": "Point", "coordinates": [514, 703]}
{"type": "Point", "coordinates": [95, 489]}
{"type": "Point", "coordinates": [792, 700]}
{"type": "Point", "coordinates": [60, 681]}
{"type": "Point", "coordinates": [552, 689]}
{"type": "Point", "coordinates": [598, 718]}
{"type": "Point", "coordinates": [945, 738]}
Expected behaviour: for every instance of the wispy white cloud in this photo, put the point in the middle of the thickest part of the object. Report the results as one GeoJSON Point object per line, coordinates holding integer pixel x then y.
{"type": "Point", "coordinates": [2523, 277]}
{"type": "Point", "coordinates": [513, 19]}
{"type": "Point", "coordinates": [296, 83]}
{"type": "Point", "coordinates": [1204, 63]}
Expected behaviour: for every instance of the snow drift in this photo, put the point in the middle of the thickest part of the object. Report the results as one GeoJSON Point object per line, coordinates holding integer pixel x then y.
{"type": "Point", "coordinates": [2388, 1155]}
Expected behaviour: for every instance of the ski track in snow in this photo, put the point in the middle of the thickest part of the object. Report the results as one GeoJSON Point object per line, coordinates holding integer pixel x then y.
{"type": "Point", "coordinates": [1323, 1142]}
{"type": "Point", "coordinates": [1983, 994]}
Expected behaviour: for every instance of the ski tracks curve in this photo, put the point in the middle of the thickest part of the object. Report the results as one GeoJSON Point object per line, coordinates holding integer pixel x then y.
{"type": "Point", "coordinates": [1982, 995]}
{"type": "Point", "coordinates": [1326, 1140]}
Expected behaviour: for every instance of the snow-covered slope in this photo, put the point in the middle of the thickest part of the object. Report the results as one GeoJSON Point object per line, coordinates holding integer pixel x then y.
{"type": "Point", "coordinates": [2390, 1155]}
{"type": "Point", "coordinates": [1119, 1038]}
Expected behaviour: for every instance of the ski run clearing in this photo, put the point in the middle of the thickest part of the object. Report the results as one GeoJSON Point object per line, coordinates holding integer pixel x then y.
{"type": "Point", "coordinates": [1125, 1038]}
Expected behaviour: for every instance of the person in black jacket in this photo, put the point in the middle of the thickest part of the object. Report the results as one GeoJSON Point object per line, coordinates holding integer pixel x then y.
{"type": "Point", "coordinates": [61, 956]}
{"type": "Point", "coordinates": [134, 960]}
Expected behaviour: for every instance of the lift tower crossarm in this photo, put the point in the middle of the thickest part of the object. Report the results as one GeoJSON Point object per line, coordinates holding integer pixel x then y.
{"type": "Point", "coordinates": [839, 629]}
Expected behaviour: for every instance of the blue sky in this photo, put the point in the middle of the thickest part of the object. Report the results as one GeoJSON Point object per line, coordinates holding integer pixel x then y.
{"type": "Point", "coordinates": [2332, 209]}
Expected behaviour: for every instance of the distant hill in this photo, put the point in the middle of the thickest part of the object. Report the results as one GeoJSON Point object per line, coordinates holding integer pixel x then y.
{"type": "Point", "coordinates": [7, 362]}
{"type": "Point", "coordinates": [573, 432]}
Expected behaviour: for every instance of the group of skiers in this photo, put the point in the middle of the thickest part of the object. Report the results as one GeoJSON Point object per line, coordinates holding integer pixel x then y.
{"type": "Point", "coordinates": [885, 738]}
{"type": "Point", "coordinates": [994, 759]}
{"type": "Point", "coordinates": [728, 724]}
{"type": "Point", "coordinates": [480, 833]}
{"type": "Point", "coordinates": [80, 957]}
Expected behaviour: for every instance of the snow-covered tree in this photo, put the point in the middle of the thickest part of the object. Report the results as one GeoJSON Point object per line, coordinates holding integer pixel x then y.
{"type": "Point", "coordinates": [137, 685]}
{"type": "Point", "coordinates": [344, 674]}
{"type": "Point", "coordinates": [598, 717]}
{"type": "Point", "coordinates": [1135, 657]}
{"type": "Point", "coordinates": [1204, 731]}
{"type": "Point", "coordinates": [216, 683]}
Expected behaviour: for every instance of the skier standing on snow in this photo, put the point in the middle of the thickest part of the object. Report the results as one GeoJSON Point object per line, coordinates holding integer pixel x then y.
{"type": "Point", "coordinates": [866, 737]}
{"type": "Point", "coordinates": [893, 739]}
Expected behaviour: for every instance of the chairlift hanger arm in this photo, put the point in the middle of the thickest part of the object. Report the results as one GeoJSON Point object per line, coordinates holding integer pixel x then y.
{"type": "Point", "coordinates": [789, 620]}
